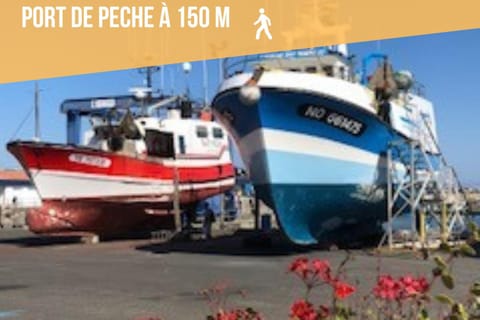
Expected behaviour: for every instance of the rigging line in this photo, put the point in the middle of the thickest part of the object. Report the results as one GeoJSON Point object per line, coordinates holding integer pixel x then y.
{"type": "Point", "coordinates": [20, 126]}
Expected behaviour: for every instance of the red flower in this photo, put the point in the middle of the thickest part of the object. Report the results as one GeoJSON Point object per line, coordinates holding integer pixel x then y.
{"type": "Point", "coordinates": [237, 314]}
{"type": "Point", "coordinates": [226, 315]}
{"type": "Point", "coordinates": [300, 267]}
{"type": "Point", "coordinates": [422, 285]}
{"type": "Point", "coordinates": [302, 310]}
{"type": "Point", "coordinates": [322, 269]}
{"type": "Point", "coordinates": [342, 289]}
{"type": "Point", "coordinates": [412, 286]}
{"type": "Point", "coordinates": [387, 288]}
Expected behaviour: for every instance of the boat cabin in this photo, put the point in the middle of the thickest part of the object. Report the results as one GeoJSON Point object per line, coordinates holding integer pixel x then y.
{"type": "Point", "coordinates": [169, 137]}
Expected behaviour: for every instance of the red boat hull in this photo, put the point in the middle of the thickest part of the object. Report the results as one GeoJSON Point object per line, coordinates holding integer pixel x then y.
{"type": "Point", "coordinates": [87, 190]}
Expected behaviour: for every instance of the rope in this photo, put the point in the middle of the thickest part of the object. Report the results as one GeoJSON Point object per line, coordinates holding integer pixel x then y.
{"type": "Point", "coordinates": [17, 130]}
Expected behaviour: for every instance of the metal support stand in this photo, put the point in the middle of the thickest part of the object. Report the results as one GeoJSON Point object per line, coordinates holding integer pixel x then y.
{"type": "Point", "coordinates": [416, 187]}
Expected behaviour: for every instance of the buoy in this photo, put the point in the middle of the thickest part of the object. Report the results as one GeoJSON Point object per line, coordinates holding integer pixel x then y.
{"type": "Point", "coordinates": [250, 94]}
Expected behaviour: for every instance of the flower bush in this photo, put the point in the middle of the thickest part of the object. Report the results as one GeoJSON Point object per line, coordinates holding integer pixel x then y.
{"type": "Point", "coordinates": [217, 297]}
{"type": "Point", "coordinates": [403, 297]}
{"type": "Point", "coordinates": [314, 273]}
{"type": "Point", "coordinates": [391, 297]}
{"type": "Point", "coordinates": [389, 288]}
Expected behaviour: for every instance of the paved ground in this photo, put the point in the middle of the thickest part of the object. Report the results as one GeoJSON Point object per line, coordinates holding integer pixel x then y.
{"type": "Point", "coordinates": [128, 279]}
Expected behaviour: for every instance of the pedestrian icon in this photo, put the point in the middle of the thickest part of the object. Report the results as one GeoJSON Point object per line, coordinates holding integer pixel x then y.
{"type": "Point", "coordinates": [265, 23]}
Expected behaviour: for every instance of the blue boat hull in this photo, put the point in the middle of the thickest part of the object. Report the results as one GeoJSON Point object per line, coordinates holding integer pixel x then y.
{"type": "Point", "coordinates": [325, 183]}
{"type": "Point", "coordinates": [323, 213]}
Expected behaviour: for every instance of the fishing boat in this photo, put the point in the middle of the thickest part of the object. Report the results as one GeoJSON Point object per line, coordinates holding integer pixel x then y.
{"type": "Point", "coordinates": [314, 136]}
{"type": "Point", "coordinates": [130, 172]}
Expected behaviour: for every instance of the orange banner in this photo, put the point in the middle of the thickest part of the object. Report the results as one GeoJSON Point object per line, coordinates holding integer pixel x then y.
{"type": "Point", "coordinates": [48, 38]}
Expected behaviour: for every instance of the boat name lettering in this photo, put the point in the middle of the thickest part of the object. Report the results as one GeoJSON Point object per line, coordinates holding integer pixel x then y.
{"type": "Point", "coordinates": [90, 160]}
{"type": "Point", "coordinates": [102, 103]}
{"type": "Point", "coordinates": [332, 118]}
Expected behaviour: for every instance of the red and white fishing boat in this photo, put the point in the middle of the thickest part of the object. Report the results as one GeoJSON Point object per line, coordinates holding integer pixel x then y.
{"type": "Point", "coordinates": [127, 176]}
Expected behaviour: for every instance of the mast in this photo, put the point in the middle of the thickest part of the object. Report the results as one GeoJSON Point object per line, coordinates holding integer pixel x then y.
{"type": "Point", "coordinates": [37, 112]}
{"type": "Point", "coordinates": [205, 83]}
{"type": "Point", "coordinates": [220, 71]}
{"type": "Point", "coordinates": [149, 71]}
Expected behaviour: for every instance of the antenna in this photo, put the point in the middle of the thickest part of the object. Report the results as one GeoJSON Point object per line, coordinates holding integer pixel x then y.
{"type": "Point", "coordinates": [37, 112]}
{"type": "Point", "coordinates": [187, 68]}
{"type": "Point", "coordinates": [148, 72]}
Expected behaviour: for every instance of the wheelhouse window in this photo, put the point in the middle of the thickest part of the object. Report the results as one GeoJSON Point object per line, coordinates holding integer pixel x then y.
{"type": "Point", "coordinates": [328, 70]}
{"type": "Point", "coordinates": [217, 133]}
{"type": "Point", "coordinates": [311, 69]}
{"type": "Point", "coordinates": [159, 144]}
{"type": "Point", "coordinates": [202, 132]}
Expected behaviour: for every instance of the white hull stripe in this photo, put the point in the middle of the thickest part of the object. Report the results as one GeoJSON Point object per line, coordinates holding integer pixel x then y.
{"type": "Point", "coordinates": [278, 140]}
{"type": "Point", "coordinates": [67, 185]}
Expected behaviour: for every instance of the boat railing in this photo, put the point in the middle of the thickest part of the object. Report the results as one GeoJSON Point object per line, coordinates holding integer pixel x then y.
{"type": "Point", "coordinates": [233, 66]}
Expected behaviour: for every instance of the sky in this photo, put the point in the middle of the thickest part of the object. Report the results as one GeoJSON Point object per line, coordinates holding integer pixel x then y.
{"type": "Point", "coordinates": [447, 64]}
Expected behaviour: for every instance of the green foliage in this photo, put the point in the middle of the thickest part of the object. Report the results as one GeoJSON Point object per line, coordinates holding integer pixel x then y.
{"type": "Point", "coordinates": [423, 315]}
{"type": "Point", "coordinates": [472, 227]}
{"type": "Point", "coordinates": [459, 312]}
{"type": "Point", "coordinates": [441, 264]}
{"type": "Point", "coordinates": [447, 280]}
{"type": "Point", "coordinates": [475, 289]}
{"type": "Point", "coordinates": [442, 298]}
{"type": "Point", "coordinates": [467, 250]}
{"type": "Point", "coordinates": [445, 247]}
{"type": "Point", "coordinates": [474, 231]}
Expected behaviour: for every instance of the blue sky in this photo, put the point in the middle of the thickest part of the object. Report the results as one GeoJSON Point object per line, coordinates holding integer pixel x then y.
{"type": "Point", "coordinates": [448, 64]}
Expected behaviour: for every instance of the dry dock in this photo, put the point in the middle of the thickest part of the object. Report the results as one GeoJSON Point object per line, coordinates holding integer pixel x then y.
{"type": "Point", "coordinates": [130, 279]}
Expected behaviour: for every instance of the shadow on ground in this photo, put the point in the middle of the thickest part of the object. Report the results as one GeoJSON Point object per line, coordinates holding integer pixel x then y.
{"type": "Point", "coordinates": [40, 241]}
{"type": "Point", "coordinates": [22, 238]}
{"type": "Point", "coordinates": [242, 243]}
{"type": "Point", "coordinates": [12, 287]}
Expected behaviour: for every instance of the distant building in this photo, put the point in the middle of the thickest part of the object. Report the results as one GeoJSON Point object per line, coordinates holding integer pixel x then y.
{"type": "Point", "coordinates": [17, 195]}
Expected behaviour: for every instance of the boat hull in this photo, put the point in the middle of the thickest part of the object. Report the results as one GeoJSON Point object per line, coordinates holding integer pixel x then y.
{"type": "Point", "coordinates": [325, 181]}
{"type": "Point", "coordinates": [107, 219]}
{"type": "Point", "coordinates": [87, 190]}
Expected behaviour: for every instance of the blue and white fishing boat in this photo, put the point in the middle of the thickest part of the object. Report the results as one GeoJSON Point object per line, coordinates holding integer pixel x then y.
{"type": "Point", "coordinates": [314, 138]}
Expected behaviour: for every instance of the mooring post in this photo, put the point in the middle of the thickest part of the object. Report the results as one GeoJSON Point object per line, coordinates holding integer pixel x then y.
{"type": "Point", "coordinates": [422, 226]}
{"type": "Point", "coordinates": [444, 223]}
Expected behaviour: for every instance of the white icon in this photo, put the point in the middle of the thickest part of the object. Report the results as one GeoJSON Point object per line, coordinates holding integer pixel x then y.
{"type": "Point", "coordinates": [265, 22]}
